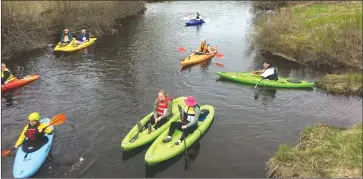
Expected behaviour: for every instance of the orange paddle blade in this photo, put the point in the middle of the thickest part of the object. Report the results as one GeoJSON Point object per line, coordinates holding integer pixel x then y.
{"type": "Point", "coordinates": [220, 65]}
{"type": "Point", "coordinates": [58, 119]}
{"type": "Point", "coordinates": [5, 152]}
{"type": "Point", "coordinates": [219, 55]}
{"type": "Point", "coordinates": [182, 49]}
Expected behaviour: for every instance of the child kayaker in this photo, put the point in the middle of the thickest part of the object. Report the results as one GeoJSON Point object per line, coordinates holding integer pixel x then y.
{"type": "Point", "coordinates": [34, 131]}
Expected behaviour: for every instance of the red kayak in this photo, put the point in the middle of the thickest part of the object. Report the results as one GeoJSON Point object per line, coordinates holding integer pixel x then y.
{"type": "Point", "coordinates": [19, 82]}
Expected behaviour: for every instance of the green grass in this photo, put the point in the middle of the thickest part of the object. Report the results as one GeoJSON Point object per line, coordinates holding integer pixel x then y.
{"type": "Point", "coordinates": [322, 151]}
{"type": "Point", "coordinates": [346, 84]}
{"type": "Point", "coordinates": [321, 34]}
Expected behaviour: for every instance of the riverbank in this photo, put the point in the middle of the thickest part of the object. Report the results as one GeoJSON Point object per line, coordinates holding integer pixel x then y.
{"type": "Point", "coordinates": [343, 84]}
{"type": "Point", "coordinates": [319, 34]}
{"type": "Point", "coordinates": [27, 26]}
{"type": "Point", "coordinates": [322, 151]}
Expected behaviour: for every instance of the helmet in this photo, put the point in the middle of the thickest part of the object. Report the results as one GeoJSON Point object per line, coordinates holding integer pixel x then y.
{"type": "Point", "coordinates": [34, 116]}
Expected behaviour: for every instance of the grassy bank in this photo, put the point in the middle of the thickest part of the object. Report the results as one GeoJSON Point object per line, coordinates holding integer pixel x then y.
{"type": "Point", "coordinates": [320, 34]}
{"type": "Point", "coordinates": [321, 152]}
{"type": "Point", "coordinates": [345, 84]}
{"type": "Point", "coordinates": [29, 25]}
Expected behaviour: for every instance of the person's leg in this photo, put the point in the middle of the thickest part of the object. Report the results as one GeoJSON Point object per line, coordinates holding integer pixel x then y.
{"type": "Point", "coordinates": [186, 132]}
{"type": "Point", "coordinates": [173, 126]}
{"type": "Point", "coordinates": [160, 123]}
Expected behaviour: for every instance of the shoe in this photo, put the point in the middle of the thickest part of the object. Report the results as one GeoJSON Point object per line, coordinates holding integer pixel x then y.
{"type": "Point", "coordinates": [141, 128]}
{"type": "Point", "coordinates": [149, 128]}
{"type": "Point", "coordinates": [168, 139]}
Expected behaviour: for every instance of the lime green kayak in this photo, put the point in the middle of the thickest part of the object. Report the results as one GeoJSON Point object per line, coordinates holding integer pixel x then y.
{"type": "Point", "coordinates": [143, 137]}
{"type": "Point", "coordinates": [253, 79]}
{"type": "Point", "coordinates": [160, 151]}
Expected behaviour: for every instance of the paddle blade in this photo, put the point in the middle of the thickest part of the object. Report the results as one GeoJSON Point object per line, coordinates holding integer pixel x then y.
{"type": "Point", "coordinates": [182, 49]}
{"type": "Point", "coordinates": [5, 152]}
{"type": "Point", "coordinates": [219, 55]}
{"type": "Point", "coordinates": [58, 119]}
{"type": "Point", "coordinates": [220, 65]}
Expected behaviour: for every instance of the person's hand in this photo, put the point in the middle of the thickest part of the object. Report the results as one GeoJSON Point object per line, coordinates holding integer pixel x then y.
{"type": "Point", "coordinates": [16, 146]}
{"type": "Point", "coordinates": [184, 126]}
{"type": "Point", "coordinates": [40, 130]}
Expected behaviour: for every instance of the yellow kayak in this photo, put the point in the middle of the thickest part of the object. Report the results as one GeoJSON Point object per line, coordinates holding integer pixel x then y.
{"type": "Point", "coordinates": [193, 59]}
{"type": "Point", "coordinates": [70, 48]}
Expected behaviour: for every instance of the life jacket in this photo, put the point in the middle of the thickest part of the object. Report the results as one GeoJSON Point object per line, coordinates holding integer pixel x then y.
{"type": "Point", "coordinates": [11, 76]}
{"type": "Point", "coordinates": [203, 49]}
{"type": "Point", "coordinates": [189, 113]}
{"type": "Point", "coordinates": [32, 132]}
{"type": "Point", "coordinates": [163, 106]}
{"type": "Point", "coordinates": [273, 76]}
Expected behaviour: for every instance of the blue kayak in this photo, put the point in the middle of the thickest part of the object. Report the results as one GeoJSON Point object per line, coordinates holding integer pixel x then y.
{"type": "Point", "coordinates": [28, 166]}
{"type": "Point", "coordinates": [194, 22]}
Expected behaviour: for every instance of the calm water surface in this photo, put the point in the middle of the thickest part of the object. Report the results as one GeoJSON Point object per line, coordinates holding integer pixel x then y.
{"type": "Point", "coordinates": [106, 90]}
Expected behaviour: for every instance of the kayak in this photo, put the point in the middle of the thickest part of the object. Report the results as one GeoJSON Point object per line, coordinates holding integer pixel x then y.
{"type": "Point", "coordinates": [70, 48]}
{"type": "Point", "coordinates": [194, 22]}
{"type": "Point", "coordinates": [28, 166]}
{"type": "Point", "coordinates": [253, 79]}
{"type": "Point", "coordinates": [193, 59]}
{"type": "Point", "coordinates": [19, 82]}
{"type": "Point", "coordinates": [160, 151]}
{"type": "Point", "coordinates": [143, 137]}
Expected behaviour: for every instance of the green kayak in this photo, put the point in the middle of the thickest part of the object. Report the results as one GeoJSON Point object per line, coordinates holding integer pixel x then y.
{"type": "Point", "coordinates": [160, 151]}
{"type": "Point", "coordinates": [253, 79]}
{"type": "Point", "coordinates": [143, 137]}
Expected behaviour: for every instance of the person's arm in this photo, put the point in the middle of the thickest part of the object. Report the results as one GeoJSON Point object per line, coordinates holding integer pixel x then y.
{"type": "Point", "coordinates": [87, 37]}
{"type": "Point", "coordinates": [196, 117]}
{"type": "Point", "coordinates": [70, 36]}
{"type": "Point", "coordinates": [169, 111]}
{"type": "Point", "coordinates": [258, 71]}
{"type": "Point", "coordinates": [155, 108]}
{"type": "Point", "coordinates": [47, 130]}
{"type": "Point", "coordinates": [22, 137]}
{"type": "Point", "coordinates": [62, 37]}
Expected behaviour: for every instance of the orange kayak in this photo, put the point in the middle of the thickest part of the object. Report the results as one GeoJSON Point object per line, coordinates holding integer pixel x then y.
{"type": "Point", "coordinates": [19, 82]}
{"type": "Point", "coordinates": [193, 59]}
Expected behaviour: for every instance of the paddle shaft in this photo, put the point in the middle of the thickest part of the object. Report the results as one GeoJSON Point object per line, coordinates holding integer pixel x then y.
{"type": "Point", "coordinates": [185, 144]}
{"type": "Point", "coordinates": [258, 83]}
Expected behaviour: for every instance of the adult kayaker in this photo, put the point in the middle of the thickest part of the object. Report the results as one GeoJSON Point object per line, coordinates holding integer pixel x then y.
{"type": "Point", "coordinates": [34, 131]}
{"type": "Point", "coordinates": [163, 106]}
{"type": "Point", "coordinates": [83, 38]}
{"type": "Point", "coordinates": [269, 72]}
{"type": "Point", "coordinates": [6, 75]}
{"type": "Point", "coordinates": [66, 37]}
{"type": "Point", "coordinates": [189, 120]}
{"type": "Point", "coordinates": [204, 49]}
{"type": "Point", "coordinates": [198, 17]}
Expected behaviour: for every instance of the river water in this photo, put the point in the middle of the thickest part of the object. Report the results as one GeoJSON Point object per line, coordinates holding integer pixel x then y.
{"type": "Point", "coordinates": [106, 89]}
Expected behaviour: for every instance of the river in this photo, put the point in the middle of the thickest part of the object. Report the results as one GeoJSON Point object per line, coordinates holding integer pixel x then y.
{"type": "Point", "coordinates": [105, 90]}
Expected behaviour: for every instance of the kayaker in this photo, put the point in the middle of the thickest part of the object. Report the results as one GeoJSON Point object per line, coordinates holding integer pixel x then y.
{"type": "Point", "coordinates": [189, 120]}
{"type": "Point", "coordinates": [66, 37]}
{"type": "Point", "coordinates": [204, 49]}
{"type": "Point", "coordinates": [34, 131]}
{"type": "Point", "coordinates": [83, 38]}
{"type": "Point", "coordinates": [6, 75]}
{"type": "Point", "coordinates": [269, 72]}
{"type": "Point", "coordinates": [163, 106]}
{"type": "Point", "coordinates": [198, 17]}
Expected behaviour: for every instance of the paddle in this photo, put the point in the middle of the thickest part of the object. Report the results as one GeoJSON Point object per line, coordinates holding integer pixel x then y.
{"type": "Point", "coordinates": [182, 49]}
{"type": "Point", "coordinates": [185, 144]}
{"type": "Point", "coordinates": [55, 121]}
